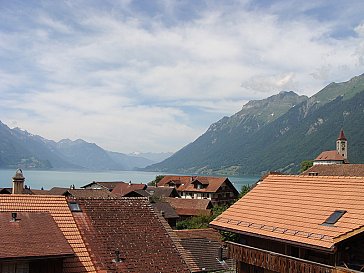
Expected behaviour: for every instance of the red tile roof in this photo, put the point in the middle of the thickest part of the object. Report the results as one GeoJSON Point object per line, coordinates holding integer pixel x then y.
{"type": "Point", "coordinates": [123, 188]}
{"type": "Point", "coordinates": [204, 246]}
{"type": "Point", "coordinates": [86, 193]}
{"type": "Point", "coordinates": [131, 226]}
{"type": "Point", "coordinates": [107, 185]}
{"type": "Point", "coordinates": [212, 184]}
{"type": "Point", "coordinates": [24, 238]}
{"type": "Point", "coordinates": [293, 209]}
{"type": "Point", "coordinates": [190, 207]}
{"type": "Point", "coordinates": [337, 170]}
{"type": "Point", "coordinates": [57, 207]}
{"type": "Point", "coordinates": [341, 136]}
{"type": "Point", "coordinates": [330, 155]}
{"type": "Point", "coordinates": [208, 233]}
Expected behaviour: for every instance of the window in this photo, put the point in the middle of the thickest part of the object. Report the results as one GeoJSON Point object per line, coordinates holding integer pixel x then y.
{"type": "Point", "coordinates": [334, 217]}
{"type": "Point", "coordinates": [74, 206]}
{"type": "Point", "coordinates": [21, 267]}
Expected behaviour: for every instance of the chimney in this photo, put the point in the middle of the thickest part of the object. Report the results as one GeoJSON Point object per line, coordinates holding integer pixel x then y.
{"type": "Point", "coordinates": [129, 182]}
{"type": "Point", "coordinates": [13, 216]}
{"type": "Point", "coordinates": [18, 182]}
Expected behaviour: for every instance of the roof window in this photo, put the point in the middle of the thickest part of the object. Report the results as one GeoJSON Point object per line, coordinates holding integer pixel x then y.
{"type": "Point", "coordinates": [334, 217]}
{"type": "Point", "coordinates": [74, 207]}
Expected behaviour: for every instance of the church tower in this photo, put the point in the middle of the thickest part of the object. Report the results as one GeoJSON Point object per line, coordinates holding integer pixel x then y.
{"type": "Point", "coordinates": [342, 145]}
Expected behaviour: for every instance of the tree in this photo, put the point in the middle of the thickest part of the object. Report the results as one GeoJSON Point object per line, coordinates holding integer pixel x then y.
{"type": "Point", "coordinates": [156, 180]}
{"type": "Point", "coordinates": [244, 190]}
{"type": "Point", "coordinates": [306, 164]}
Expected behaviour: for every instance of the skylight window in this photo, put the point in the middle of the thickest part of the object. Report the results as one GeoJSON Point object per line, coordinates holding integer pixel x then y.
{"type": "Point", "coordinates": [334, 217]}
{"type": "Point", "coordinates": [74, 206]}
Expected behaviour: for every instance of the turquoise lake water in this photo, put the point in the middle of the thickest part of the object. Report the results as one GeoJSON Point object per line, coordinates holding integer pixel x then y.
{"type": "Point", "coordinates": [48, 179]}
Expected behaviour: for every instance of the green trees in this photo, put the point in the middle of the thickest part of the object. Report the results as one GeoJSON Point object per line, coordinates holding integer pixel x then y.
{"type": "Point", "coordinates": [156, 180]}
{"type": "Point", "coordinates": [306, 164]}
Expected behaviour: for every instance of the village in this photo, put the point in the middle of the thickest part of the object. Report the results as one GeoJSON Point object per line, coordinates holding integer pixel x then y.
{"type": "Point", "coordinates": [311, 222]}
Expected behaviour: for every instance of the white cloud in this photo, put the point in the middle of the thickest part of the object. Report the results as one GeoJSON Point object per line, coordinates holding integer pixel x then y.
{"type": "Point", "coordinates": [124, 80]}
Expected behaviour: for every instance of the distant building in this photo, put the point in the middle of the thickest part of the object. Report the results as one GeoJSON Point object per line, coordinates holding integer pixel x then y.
{"type": "Point", "coordinates": [336, 170]}
{"type": "Point", "coordinates": [338, 156]}
{"type": "Point", "coordinates": [187, 208]}
{"type": "Point", "coordinates": [217, 189]}
{"type": "Point", "coordinates": [290, 223]}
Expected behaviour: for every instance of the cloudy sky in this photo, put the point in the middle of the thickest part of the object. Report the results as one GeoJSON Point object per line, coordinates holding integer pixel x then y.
{"type": "Point", "coordinates": [152, 75]}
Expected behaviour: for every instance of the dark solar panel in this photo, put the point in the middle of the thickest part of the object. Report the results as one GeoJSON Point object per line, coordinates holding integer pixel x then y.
{"type": "Point", "coordinates": [334, 217]}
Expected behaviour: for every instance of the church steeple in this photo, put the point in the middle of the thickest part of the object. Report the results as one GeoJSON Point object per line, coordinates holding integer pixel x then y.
{"type": "Point", "coordinates": [342, 145]}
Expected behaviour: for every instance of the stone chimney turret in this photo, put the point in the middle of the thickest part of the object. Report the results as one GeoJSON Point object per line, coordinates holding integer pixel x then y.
{"type": "Point", "coordinates": [18, 182]}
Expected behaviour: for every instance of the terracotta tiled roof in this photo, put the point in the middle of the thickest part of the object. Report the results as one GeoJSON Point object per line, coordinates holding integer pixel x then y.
{"type": "Point", "coordinates": [190, 207]}
{"type": "Point", "coordinates": [212, 184]}
{"type": "Point", "coordinates": [208, 233]}
{"type": "Point", "coordinates": [185, 254]}
{"type": "Point", "coordinates": [123, 188]}
{"type": "Point", "coordinates": [22, 238]}
{"type": "Point", "coordinates": [294, 208]}
{"type": "Point", "coordinates": [168, 211]}
{"type": "Point", "coordinates": [162, 191]}
{"type": "Point", "coordinates": [40, 192]}
{"type": "Point", "coordinates": [131, 226]}
{"type": "Point", "coordinates": [57, 207]}
{"type": "Point", "coordinates": [57, 191]}
{"type": "Point", "coordinates": [337, 170]}
{"type": "Point", "coordinates": [330, 155]}
{"type": "Point", "coordinates": [107, 185]}
{"type": "Point", "coordinates": [88, 193]}
{"type": "Point", "coordinates": [204, 246]}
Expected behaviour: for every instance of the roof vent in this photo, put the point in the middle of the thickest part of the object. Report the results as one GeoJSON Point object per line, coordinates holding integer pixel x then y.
{"type": "Point", "coordinates": [313, 173]}
{"type": "Point", "coordinates": [14, 215]}
{"type": "Point", "coordinates": [117, 256]}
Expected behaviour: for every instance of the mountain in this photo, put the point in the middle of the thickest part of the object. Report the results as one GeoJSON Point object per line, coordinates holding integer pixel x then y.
{"type": "Point", "coordinates": [155, 157]}
{"type": "Point", "coordinates": [276, 133]}
{"type": "Point", "coordinates": [20, 149]}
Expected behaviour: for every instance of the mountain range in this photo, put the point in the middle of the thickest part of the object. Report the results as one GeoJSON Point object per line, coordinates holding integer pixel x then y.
{"type": "Point", "coordinates": [277, 133]}
{"type": "Point", "coordinates": [20, 149]}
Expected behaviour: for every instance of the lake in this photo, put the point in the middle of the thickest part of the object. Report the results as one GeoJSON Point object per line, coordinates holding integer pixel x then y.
{"type": "Point", "coordinates": [48, 179]}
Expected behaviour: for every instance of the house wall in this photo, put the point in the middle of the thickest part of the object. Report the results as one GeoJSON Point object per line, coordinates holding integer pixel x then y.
{"type": "Point", "coordinates": [32, 266]}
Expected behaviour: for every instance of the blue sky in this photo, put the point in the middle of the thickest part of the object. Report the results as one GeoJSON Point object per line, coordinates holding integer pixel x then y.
{"type": "Point", "coordinates": [153, 75]}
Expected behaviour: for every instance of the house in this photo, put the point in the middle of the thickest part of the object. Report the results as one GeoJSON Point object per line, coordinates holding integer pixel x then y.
{"type": "Point", "coordinates": [102, 185]}
{"type": "Point", "coordinates": [130, 190]}
{"type": "Point", "coordinates": [89, 193]}
{"type": "Point", "coordinates": [161, 192]}
{"type": "Point", "coordinates": [187, 208]}
{"type": "Point", "coordinates": [126, 235]}
{"type": "Point", "coordinates": [217, 189]}
{"type": "Point", "coordinates": [338, 156]}
{"type": "Point", "coordinates": [294, 224]}
{"type": "Point", "coordinates": [336, 170]}
{"type": "Point", "coordinates": [167, 212]}
{"type": "Point", "coordinates": [27, 246]}
{"type": "Point", "coordinates": [207, 249]}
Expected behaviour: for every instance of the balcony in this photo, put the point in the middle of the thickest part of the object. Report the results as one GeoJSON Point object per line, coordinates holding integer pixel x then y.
{"type": "Point", "coordinates": [276, 262]}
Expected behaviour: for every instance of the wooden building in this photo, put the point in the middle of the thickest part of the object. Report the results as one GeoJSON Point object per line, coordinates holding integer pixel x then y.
{"type": "Point", "coordinates": [298, 224]}
{"type": "Point", "coordinates": [217, 189]}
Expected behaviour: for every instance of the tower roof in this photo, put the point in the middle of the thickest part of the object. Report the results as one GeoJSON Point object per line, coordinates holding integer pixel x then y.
{"type": "Point", "coordinates": [341, 135]}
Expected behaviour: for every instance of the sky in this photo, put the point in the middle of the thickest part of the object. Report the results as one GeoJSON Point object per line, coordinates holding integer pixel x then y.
{"type": "Point", "coordinates": [152, 75]}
